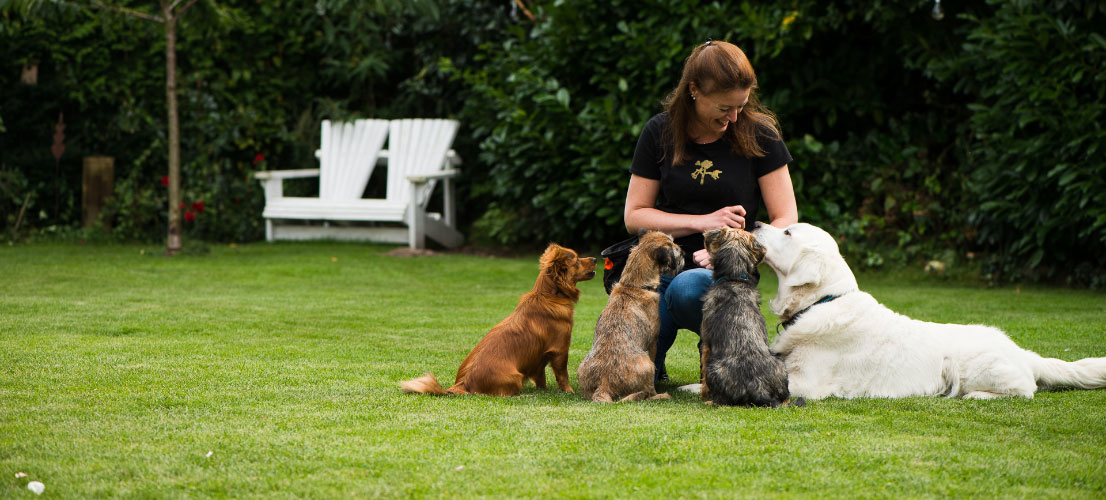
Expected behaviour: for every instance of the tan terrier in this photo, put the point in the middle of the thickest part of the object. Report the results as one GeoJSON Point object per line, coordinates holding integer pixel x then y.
{"type": "Point", "coordinates": [620, 364]}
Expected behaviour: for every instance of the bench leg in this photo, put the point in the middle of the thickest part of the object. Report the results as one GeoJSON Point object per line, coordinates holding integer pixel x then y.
{"type": "Point", "coordinates": [268, 229]}
{"type": "Point", "coordinates": [447, 202]}
{"type": "Point", "coordinates": [417, 214]}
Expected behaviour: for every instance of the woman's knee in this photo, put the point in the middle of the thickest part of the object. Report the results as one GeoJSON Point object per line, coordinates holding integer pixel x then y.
{"type": "Point", "coordinates": [684, 297]}
{"type": "Point", "coordinates": [689, 286]}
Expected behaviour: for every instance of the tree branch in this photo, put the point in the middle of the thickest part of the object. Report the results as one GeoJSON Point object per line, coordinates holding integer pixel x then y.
{"type": "Point", "coordinates": [529, 15]}
{"type": "Point", "coordinates": [175, 3]}
{"type": "Point", "coordinates": [99, 5]}
{"type": "Point", "coordinates": [182, 9]}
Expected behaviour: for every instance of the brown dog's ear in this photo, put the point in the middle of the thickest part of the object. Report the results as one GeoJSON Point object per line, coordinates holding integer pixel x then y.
{"type": "Point", "coordinates": [558, 257]}
{"type": "Point", "coordinates": [555, 267]}
{"type": "Point", "coordinates": [552, 256]}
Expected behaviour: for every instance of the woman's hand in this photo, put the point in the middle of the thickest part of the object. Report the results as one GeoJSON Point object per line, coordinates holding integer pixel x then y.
{"type": "Point", "coordinates": [702, 257]}
{"type": "Point", "coordinates": [733, 216]}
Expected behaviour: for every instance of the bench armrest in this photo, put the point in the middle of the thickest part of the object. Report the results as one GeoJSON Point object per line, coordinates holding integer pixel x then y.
{"type": "Point", "coordinates": [419, 179]}
{"type": "Point", "coordinates": [272, 181]}
{"type": "Point", "coordinates": [265, 175]}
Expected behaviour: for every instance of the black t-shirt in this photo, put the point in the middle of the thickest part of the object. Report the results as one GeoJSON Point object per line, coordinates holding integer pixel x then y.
{"type": "Point", "coordinates": [711, 176]}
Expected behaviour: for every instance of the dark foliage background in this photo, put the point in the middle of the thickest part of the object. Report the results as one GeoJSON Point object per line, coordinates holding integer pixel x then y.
{"type": "Point", "coordinates": [978, 134]}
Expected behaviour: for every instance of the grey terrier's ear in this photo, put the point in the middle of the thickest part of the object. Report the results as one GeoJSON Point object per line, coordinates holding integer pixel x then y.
{"type": "Point", "coordinates": [757, 250]}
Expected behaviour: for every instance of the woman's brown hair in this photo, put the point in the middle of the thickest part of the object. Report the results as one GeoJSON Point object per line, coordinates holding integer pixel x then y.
{"type": "Point", "coordinates": [719, 67]}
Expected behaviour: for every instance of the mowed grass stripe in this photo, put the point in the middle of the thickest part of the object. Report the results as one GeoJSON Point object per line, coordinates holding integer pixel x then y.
{"type": "Point", "coordinates": [122, 369]}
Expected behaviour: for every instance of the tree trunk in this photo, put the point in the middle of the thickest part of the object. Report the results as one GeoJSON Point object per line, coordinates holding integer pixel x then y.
{"type": "Point", "coordinates": [174, 243]}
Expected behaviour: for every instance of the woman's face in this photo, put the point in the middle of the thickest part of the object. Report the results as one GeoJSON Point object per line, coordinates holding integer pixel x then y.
{"type": "Point", "coordinates": [714, 112]}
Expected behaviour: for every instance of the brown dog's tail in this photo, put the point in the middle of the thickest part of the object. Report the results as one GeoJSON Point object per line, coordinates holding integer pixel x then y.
{"type": "Point", "coordinates": [425, 384]}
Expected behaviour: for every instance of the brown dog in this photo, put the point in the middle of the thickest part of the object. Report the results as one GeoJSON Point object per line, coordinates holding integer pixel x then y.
{"type": "Point", "coordinates": [620, 364]}
{"type": "Point", "coordinates": [536, 334]}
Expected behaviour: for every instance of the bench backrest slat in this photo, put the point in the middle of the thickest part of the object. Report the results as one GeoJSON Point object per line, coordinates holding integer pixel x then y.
{"type": "Point", "coordinates": [417, 147]}
{"type": "Point", "coordinates": [347, 156]}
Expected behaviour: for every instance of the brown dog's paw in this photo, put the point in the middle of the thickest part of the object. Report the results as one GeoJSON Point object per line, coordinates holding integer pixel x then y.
{"type": "Point", "coordinates": [663, 395]}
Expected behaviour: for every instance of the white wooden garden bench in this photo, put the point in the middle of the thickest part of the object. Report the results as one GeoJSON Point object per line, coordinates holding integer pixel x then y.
{"type": "Point", "coordinates": [418, 156]}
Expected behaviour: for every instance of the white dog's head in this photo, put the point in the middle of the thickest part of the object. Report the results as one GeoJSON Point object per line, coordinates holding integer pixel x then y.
{"type": "Point", "coordinates": [808, 263]}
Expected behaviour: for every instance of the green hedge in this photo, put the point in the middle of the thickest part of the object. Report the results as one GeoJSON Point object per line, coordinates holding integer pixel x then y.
{"type": "Point", "coordinates": [913, 138]}
{"type": "Point", "coordinates": [896, 122]}
{"type": "Point", "coordinates": [559, 107]}
{"type": "Point", "coordinates": [1034, 75]}
{"type": "Point", "coordinates": [255, 80]}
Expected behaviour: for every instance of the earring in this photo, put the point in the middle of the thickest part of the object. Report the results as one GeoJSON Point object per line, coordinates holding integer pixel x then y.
{"type": "Point", "coordinates": [692, 96]}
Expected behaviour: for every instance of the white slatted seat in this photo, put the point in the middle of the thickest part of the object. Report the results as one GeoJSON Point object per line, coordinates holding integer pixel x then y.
{"type": "Point", "coordinates": [418, 156]}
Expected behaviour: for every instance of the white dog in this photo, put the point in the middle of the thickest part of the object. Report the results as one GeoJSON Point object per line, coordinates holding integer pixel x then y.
{"type": "Point", "coordinates": [838, 341]}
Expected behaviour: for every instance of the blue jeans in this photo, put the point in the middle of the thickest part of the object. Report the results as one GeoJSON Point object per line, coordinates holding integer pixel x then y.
{"type": "Point", "coordinates": [681, 307]}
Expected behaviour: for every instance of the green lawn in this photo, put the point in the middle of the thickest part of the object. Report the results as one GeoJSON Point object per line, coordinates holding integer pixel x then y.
{"type": "Point", "coordinates": [121, 370]}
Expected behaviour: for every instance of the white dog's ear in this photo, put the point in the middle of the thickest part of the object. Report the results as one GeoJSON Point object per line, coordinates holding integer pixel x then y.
{"type": "Point", "coordinates": [808, 271]}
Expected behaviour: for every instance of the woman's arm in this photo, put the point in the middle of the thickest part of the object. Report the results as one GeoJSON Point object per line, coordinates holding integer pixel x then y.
{"type": "Point", "coordinates": [640, 214]}
{"type": "Point", "coordinates": [779, 197]}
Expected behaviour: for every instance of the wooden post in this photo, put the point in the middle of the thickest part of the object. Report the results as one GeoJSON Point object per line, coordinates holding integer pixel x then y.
{"type": "Point", "coordinates": [97, 184]}
{"type": "Point", "coordinates": [174, 240]}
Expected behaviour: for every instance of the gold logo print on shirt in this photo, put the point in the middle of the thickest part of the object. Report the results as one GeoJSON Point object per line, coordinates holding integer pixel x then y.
{"type": "Point", "coordinates": [703, 171]}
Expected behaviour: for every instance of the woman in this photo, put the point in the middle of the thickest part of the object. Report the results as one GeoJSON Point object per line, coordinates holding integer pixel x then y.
{"type": "Point", "coordinates": [706, 162]}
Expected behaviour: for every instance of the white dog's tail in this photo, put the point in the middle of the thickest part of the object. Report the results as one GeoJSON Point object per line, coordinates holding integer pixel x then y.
{"type": "Point", "coordinates": [1088, 373]}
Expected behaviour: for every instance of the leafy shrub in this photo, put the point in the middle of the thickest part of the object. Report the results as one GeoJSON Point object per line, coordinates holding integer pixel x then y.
{"type": "Point", "coordinates": [245, 88]}
{"type": "Point", "coordinates": [1034, 74]}
{"type": "Point", "coordinates": [558, 108]}
{"type": "Point", "coordinates": [913, 138]}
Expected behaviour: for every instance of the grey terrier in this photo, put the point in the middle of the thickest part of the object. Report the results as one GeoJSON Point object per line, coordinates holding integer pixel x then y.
{"type": "Point", "coordinates": [737, 367]}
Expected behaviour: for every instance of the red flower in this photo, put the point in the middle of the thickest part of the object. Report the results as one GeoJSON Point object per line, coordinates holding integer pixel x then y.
{"type": "Point", "coordinates": [165, 180]}
{"type": "Point", "coordinates": [258, 159]}
{"type": "Point", "coordinates": [182, 204]}
{"type": "Point", "coordinates": [189, 216]}
{"type": "Point", "coordinates": [198, 206]}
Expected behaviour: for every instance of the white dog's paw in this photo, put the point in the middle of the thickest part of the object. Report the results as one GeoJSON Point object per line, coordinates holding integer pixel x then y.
{"type": "Point", "coordinates": [694, 388]}
{"type": "Point", "coordinates": [983, 395]}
